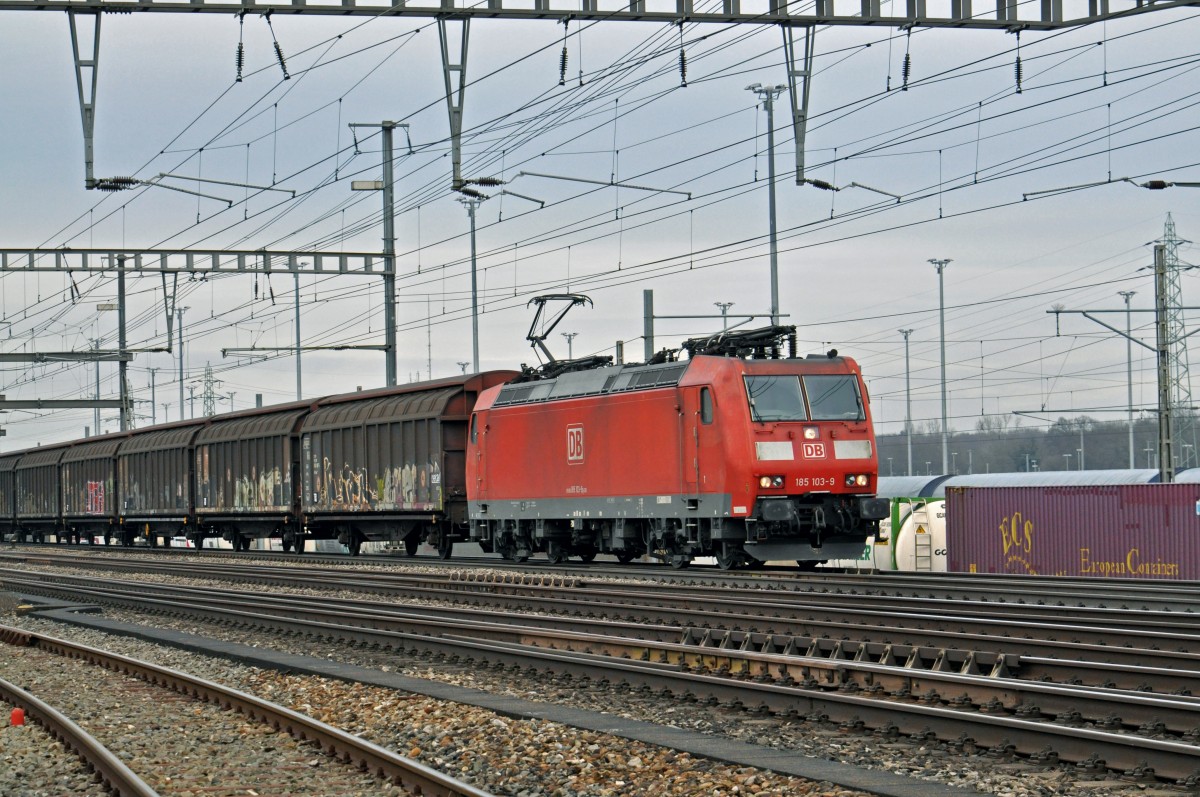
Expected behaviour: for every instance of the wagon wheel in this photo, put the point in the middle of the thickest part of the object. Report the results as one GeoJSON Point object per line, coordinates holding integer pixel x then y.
{"type": "Point", "coordinates": [355, 546]}
{"type": "Point", "coordinates": [587, 557]}
{"type": "Point", "coordinates": [555, 553]}
{"type": "Point", "coordinates": [625, 557]}
{"type": "Point", "coordinates": [445, 547]}
{"type": "Point", "coordinates": [728, 560]}
{"type": "Point", "coordinates": [411, 543]}
{"type": "Point", "coordinates": [679, 561]}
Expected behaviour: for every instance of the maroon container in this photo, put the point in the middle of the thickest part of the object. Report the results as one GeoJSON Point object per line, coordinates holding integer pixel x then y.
{"type": "Point", "coordinates": [1107, 531]}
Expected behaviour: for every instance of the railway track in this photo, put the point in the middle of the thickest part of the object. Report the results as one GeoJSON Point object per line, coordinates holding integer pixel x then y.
{"type": "Point", "coordinates": [144, 709]}
{"type": "Point", "coordinates": [1024, 590]}
{"type": "Point", "coordinates": [973, 694]}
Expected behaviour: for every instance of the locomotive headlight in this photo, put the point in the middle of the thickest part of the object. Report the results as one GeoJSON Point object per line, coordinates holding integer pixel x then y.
{"type": "Point", "coordinates": [767, 482]}
{"type": "Point", "coordinates": [811, 433]}
{"type": "Point", "coordinates": [849, 479]}
{"type": "Point", "coordinates": [861, 480]}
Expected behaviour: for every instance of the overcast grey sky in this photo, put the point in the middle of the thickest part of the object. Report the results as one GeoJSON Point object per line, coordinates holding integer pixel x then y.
{"type": "Point", "coordinates": [960, 146]}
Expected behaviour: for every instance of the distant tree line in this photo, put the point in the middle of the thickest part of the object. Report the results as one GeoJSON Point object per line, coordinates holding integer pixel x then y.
{"type": "Point", "coordinates": [1000, 444]}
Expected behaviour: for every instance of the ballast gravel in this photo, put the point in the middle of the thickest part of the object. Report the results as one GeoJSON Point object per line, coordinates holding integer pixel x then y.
{"type": "Point", "coordinates": [523, 758]}
{"type": "Point", "coordinates": [516, 757]}
{"type": "Point", "coordinates": [35, 764]}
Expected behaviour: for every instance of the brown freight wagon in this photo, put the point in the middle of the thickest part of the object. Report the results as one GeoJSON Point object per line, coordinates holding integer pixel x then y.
{"type": "Point", "coordinates": [8, 493]}
{"type": "Point", "coordinates": [88, 471]}
{"type": "Point", "coordinates": [38, 493]}
{"type": "Point", "coordinates": [244, 467]}
{"type": "Point", "coordinates": [154, 475]}
{"type": "Point", "coordinates": [389, 465]}
{"type": "Point", "coordinates": [1106, 531]}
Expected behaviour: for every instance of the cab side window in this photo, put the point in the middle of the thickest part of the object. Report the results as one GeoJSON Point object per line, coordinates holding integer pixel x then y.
{"type": "Point", "coordinates": [706, 405]}
{"type": "Point", "coordinates": [474, 428]}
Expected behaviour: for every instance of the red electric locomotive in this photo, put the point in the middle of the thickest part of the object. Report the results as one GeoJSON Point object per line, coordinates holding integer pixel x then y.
{"type": "Point", "coordinates": [736, 452]}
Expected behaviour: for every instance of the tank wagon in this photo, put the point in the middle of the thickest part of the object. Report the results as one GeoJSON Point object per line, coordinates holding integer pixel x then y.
{"type": "Point", "coordinates": [736, 452]}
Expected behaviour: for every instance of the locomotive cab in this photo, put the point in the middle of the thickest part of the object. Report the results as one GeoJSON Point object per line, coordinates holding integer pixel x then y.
{"type": "Point", "coordinates": [814, 465]}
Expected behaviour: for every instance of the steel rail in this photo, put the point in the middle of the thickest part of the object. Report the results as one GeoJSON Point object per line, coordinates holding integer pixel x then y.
{"type": "Point", "coordinates": [1075, 591]}
{"type": "Point", "coordinates": [751, 656]}
{"type": "Point", "coordinates": [1000, 592]}
{"type": "Point", "coordinates": [1164, 757]}
{"type": "Point", "coordinates": [1076, 619]}
{"type": "Point", "coordinates": [886, 629]}
{"type": "Point", "coordinates": [1171, 760]}
{"type": "Point", "coordinates": [109, 769]}
{"type": "Point", "coordinates": [369, 757]}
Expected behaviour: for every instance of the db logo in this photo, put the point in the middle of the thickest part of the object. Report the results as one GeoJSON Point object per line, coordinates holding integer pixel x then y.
{"type": "Point", "coordinates": [814, 451]}
{"type": "Point", "coordinates": [575, 443]}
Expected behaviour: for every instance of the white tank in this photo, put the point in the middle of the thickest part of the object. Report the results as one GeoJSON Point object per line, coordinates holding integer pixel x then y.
{"type": "Point", "coordinates": [920, 542]}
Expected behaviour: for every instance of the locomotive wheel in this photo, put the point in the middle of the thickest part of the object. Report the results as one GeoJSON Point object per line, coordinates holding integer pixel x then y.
{"type": "Point", "coordinates": [679, 561]}
{"type": "Point", "coordinates": [445, 548]}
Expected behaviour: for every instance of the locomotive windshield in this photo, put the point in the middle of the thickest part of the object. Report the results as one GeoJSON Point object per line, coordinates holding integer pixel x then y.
{"type": "Point", "coordinates": [831, 397]}
{"type": "Point", "coordinates": [775, 398]}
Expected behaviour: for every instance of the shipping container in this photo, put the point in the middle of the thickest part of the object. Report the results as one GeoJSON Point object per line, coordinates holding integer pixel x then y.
{"type": "Point", "coordinates": [1109, 531]}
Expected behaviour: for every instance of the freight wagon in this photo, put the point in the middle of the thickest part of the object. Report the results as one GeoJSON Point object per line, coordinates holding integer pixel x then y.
{"type": "Point", "coordinates": [390, 464]}
{"type": "Point", "coordinates": [383, 465]}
